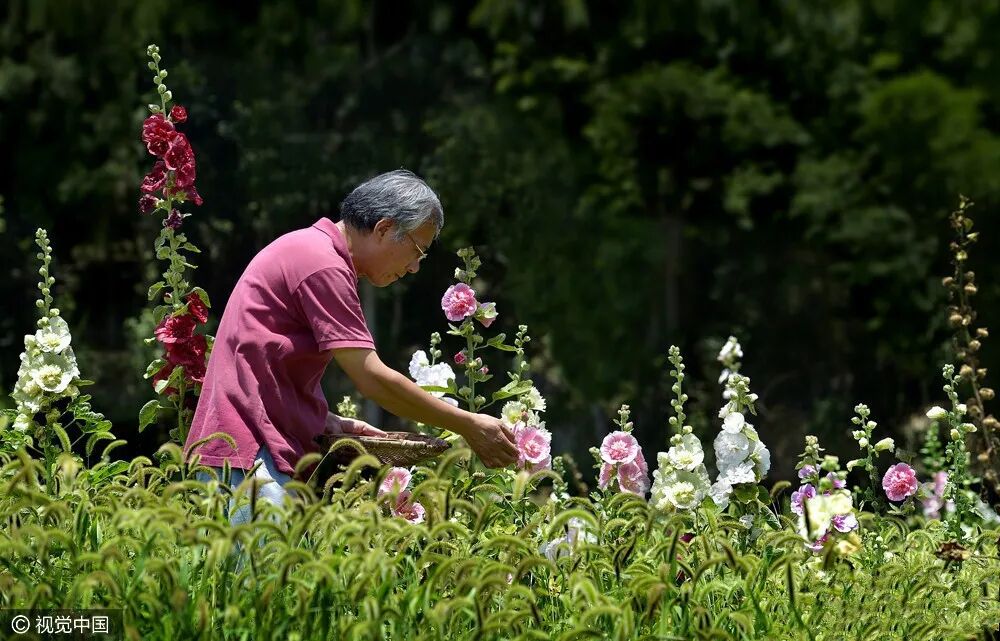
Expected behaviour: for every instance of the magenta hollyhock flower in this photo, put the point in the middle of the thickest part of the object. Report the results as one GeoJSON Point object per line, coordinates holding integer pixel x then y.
{"type": "Point", "coordinates": [404, 508]}
{"type": "Point", "coordinates": [460, 358]}
{"type": "Point", "coordinates": [459, 302]}
{"type": "Point", "coordinates": [604, 478]}
{"type": "Point", "coordinates": [534, 445]}
{"type": "Point", "coordinates": [632, 479]}
{"type": "Point", "coordinates": [799, 497]}
{"type": "Point", "coordinates": [836, 481]}
{"type": "Point", "coordinates": [397, 480]}
{"type": "Point", "coordinates": [899, 482]}
{"type": "Point", "coordinates": [845, 522]}
{"type": "Point", "coordinates": [619, 447]}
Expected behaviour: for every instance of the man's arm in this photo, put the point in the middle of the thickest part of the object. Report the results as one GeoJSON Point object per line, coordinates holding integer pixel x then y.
{"type": "Point", "coordinates": [487, 435]}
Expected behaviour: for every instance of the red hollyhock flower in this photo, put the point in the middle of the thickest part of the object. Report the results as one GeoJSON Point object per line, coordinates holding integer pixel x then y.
{"type": "Point", "coordinates": [175, 329]}
{"type": "Point", "coordinates": [157, 133]}
{"type": "Point", "coordinates": [155, 179]}
{"type": "Point", "coordinates": [178, 114]}
{"type": "Point", "coordinates": [197, 307]}
{"type": "Point", "coordinates": [174, 219]}
{"type": "Point", "coordinates": [147, 203]}
{"type": "Point", "coordinates": [178, 152]}
{"type": "Point", "coordinates": [184, 175]}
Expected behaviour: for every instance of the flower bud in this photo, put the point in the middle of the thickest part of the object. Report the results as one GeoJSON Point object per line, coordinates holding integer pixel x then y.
{"type": "Point", "coordinates": [991, 423]}
{"type": "Point", "coordinates": [853, 463]}
{"type": "Point", "coordinates": [936, 413]}
{"type": "Point", "coordinates": [970, 275]}
{"type": "Point", "coordinates": [885, 445]}
{"type": "Point", "coordinates": [961, 408]}
{"type": "Point", "coordinates": [858, 434]}
{"type": "Point", "coordinates": [863, 442]}
{"type": "Point", "coordinates": [955, 434]}
{"type": "Point", "coordinates": [970, 289]}
{"type": "Point", "coordinates": [982, 332]}
{"type": "Point", "coordinates": [965, 371]}
{"type": "Point", "coordinates": [987, 393]}
{"type": "Point", "coordinates": [484, 370]}
{"type": "Point", "coordinates": [947, 281]}
{"type": "Point", "coordinates": [161, 88]}
{"type": "Point", "coordinates": [974, 345]}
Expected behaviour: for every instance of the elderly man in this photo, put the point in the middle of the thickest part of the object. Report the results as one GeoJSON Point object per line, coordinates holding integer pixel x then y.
{"type": "Point", "coordinates": [296, 308]}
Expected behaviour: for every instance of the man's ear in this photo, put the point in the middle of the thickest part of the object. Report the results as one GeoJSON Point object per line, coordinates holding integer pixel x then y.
{"type": "Point", "coordinates": [382, 227]}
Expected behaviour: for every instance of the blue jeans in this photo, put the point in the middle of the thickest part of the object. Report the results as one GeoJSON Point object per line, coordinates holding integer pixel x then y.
{"type": "Point", "coordinates": [273, 491]}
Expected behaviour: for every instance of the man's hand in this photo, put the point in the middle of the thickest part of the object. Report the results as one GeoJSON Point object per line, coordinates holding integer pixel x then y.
{"type": "Point", "coordinates": [491, 440]}
{"type": "Point", "coordinates": [340, 425]}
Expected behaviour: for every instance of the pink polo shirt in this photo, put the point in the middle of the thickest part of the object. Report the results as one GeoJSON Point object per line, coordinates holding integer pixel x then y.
{"type": "Point", "coordinates": [297, 299]}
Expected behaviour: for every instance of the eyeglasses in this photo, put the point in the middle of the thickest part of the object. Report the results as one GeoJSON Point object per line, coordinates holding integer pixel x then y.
{"type": "Point", "coordinates": [423, 254]}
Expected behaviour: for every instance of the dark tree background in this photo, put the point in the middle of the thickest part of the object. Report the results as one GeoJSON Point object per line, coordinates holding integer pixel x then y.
{"type": "Point", "coordinates": [634, 174]}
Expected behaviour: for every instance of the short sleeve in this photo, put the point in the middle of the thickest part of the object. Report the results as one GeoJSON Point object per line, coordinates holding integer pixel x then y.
{"type": "Point", "coordinates": [329, 300]}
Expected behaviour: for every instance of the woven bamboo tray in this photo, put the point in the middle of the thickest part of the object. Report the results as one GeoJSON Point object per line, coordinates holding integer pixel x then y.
{"type": "Point", "coordinates": [395, 448]}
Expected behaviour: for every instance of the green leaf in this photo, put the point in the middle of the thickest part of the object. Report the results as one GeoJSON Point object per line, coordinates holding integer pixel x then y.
{"type": "Point", "coordinates": [513, 388]}
{"type": "Point", "coordinates": [497, 342]}
{"type": "Point", "coordinates": [154, 367]}
{"type": "Point", "coordinates": [147, 414]}
{"type": "Point", "coordinates": [190, 248]}
{"type": "Point", "coordinates": [155, 289]}
{"type": "Point", "coordinates": [201, 294]}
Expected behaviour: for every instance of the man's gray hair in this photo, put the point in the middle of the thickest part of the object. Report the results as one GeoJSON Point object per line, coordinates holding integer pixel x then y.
{"type": "Point", "coordinates": [400, 196]}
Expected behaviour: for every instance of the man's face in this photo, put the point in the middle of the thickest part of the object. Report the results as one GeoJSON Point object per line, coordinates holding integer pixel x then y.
{"type": "Point", "coordinates": [395, 258]}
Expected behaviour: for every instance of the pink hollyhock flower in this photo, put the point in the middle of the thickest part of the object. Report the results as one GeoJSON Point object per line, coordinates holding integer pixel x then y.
{"type": "Point", "coordinates": [459, 302]}
{"type": "Point", "coordinates": [817, 546]}
{"type": "Point", "coordinates": [619, 447]}
{"type": "Point", "coordinates": [534, 445]}
{"type": "Point", "coordinates": [899, 482]}
{"type": "Point", "coordinates": [542, 465]}
{"type": "Point", "coordinates": [486, 313]}
{"type": "Point", "coordinates": [484, 370]}
{"type": "Point", "coordinates": [836, 481]}
{"type": "Point", "coordinates": [632, 479]}
{"type": "Point", "coordinates": [799, 497]}
{"type": "Point", "coordinates": [934, 501]}
{"type": "Point", "coordinates": [460, 358]}
{"type": "Point", "coordinates": [197, 307]}
{"type": "Point", "coordinates": [178, 114]}
{"type": "Point", "coordinates": [807, 471]}
{"type": "Point", "coordinates": [604, 479]}
{"type": "Point", "coordinates": [397, 480]}
{"type": "Point", "coordinates": [404, 508]}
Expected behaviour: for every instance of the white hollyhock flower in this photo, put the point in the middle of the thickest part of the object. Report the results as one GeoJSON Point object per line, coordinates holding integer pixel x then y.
{"type": "Point", "coordinates": [936, 413]}
{"type": "Point", "coordinates": [720, 492]}
{"type": "Point", "coordinates": [682, 489]}
{"type": "Point", "coordinates": [734, 422]}
{"type": "Point", "coordinates": [742, 473]}
{"type": "Point", "coordinates": [763, 457]}
{"type": "Point", "coordinates": [22, 423]}
{"type": "Point", "coordinates": [55, 337]}
{"type": "Point", "coordinates": [731, 449]}
{"type": "Point", "coordinates": [688, 454]}
{"type": "Point", "coordinates": [418, 362]}
{"type": "Point", "coordinates": [730, 350]}
{"type": "Point", "coordinates": [512, 412]}
{"type": "Point", "coordinates": [53, 372]}
{"type": "Point", "coordinates": [533, 399]}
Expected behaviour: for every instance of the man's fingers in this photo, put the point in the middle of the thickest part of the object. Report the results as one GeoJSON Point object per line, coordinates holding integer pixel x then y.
{"type": "Point", "coordinates": [509, 433]}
